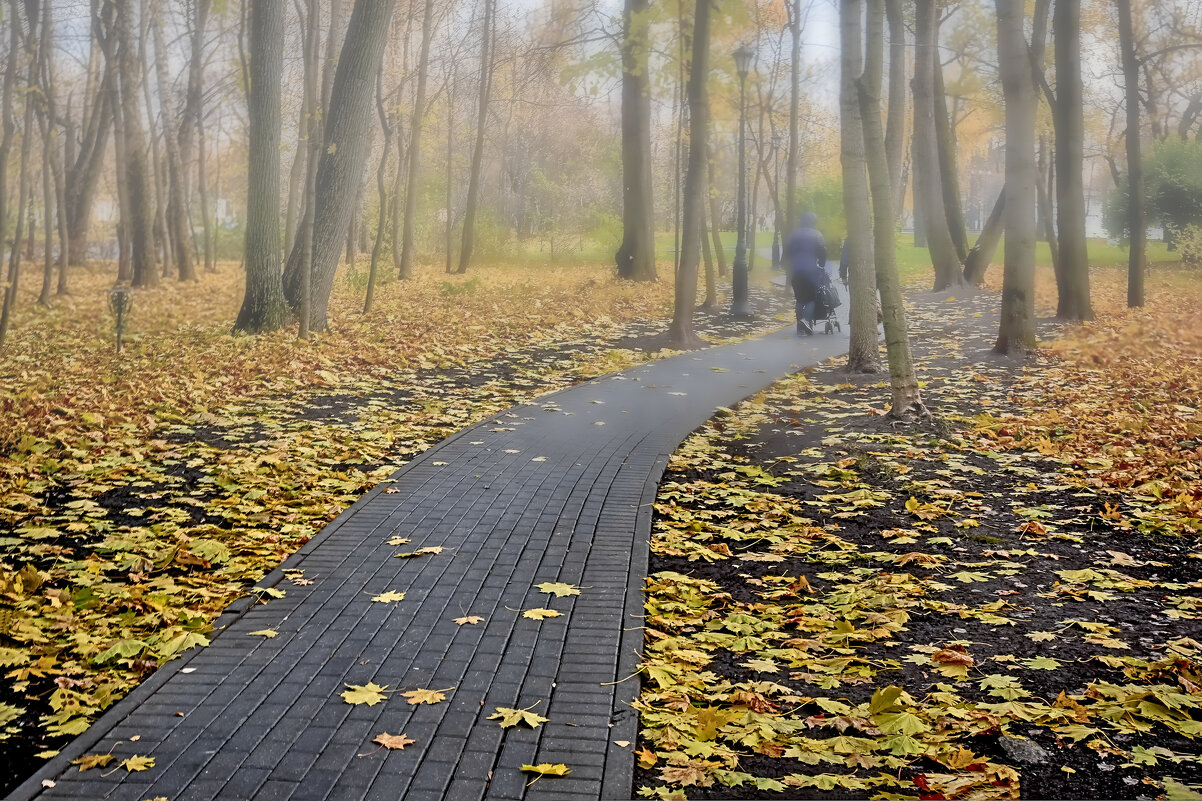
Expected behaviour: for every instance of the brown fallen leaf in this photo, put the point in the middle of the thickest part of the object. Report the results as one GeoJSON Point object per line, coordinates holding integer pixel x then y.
{"type": "Point", "coordinates": [393, 742]}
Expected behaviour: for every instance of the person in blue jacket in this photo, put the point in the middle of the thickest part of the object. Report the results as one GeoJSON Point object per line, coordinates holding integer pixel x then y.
{"type": "Point", "coordinates": [805, 253]}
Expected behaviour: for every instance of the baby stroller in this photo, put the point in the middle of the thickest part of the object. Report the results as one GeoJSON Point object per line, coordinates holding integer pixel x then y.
{"type": "Point", "coordinates": [826, 300]}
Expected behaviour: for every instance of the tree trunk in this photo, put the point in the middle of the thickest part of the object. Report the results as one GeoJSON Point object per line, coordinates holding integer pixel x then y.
{"type": "Point", "coordinates": [381, 189]}
{"type": "Point", "coordinates": [949, 173]}
{"type": "Point", "coordinates": [715, 213]}
{"type": "Point", "coordinates": [1137, 261]}
{"type": "Point", "coordinates": [680, 332]}
{"type": "Point", "coordinates": [636, 255]}
{"type": "Point", "coordinates": [263, 306]}
{"type": "Point", "coordinates": [23, 180]}
{"type": "Point", "coordinates": [8, 126]}
{"type": "Point", "coordinates": [158, 174]}
{"type": "Point", "coordinates": [296, 174]}
{"type": "Point", "coordinates": [907, 399]}
{"type": "Point", "coordinates": [895, 130]}
{"type": "Point", "coordinates": [139, 224]}
{"type": "Point", "coordinates": [314, 125]}
{"type": "Point", "coordinates": [711, 274]}
{"type": "Point", "coordinates": [84, 168]}
{"type": "Point", "coordinates": [794, 7]}
{"type": "Point", "coordinates": [1070, 157]}
{"type": "Point", "coordinates": [52, 174]}
{"type": "Point", "coordinates": [468, 238]}
{"type": "Point", "coordinates": [1044, 221]}
{"type": "Point", "coordinates": [408, 246]}
{"type": "Point", "coordinates": [178, 227]}
{"type": "Point", "coordinates": [1017, 330]}
{"type": "Point", "coordinates": [981, 255]}
{"type": "Point", "coordinates": [343, 153]}
{"type": "Point", "coordinates": [928, 186]}
{"type": "Point", "coordinates": [863, 354]}
{"type": "Point", "coordinates": [192, 134]}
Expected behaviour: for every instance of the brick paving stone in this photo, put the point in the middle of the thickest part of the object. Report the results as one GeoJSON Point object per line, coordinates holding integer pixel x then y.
{"type": "Point", "coordinates": [263, 719]}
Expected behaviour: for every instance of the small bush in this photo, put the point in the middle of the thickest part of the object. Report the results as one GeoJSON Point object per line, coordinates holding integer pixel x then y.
{"type": "Point", "coordinates": [1189, 245]}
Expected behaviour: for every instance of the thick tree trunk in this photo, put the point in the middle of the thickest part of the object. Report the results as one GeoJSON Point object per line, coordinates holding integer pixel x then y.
{"type": "Point", "coordinates": [1045, 227]}
{"type": "Point", "coordinates": [907, 399]}
{"type": "Point", "coordinates": [52, 171]}
{"type": "Point", "coordinates": [341, 159]}
{"type": "Point", "coordinates": [263, 306]}
{"type": "Point", "coordinates": [680, 332]}
{"type": "Point", "coordinates": [1017, 330]}
{"type": "Point", "coordinates": [305, 240]}
{"type": "Point", "coordinates": [895, 129]}
{"type": "Point", "coordinates": [6, 139]}
{"type": "Point", "coordinates": [409, 246]}
{"type": "Point", "coordinates": [928, 186]}
{"type": "Point", "coordinates": [471, 208]}
{"type": "Point", "coordinates": [84, 170]}
{"type": "Point", "coordinates": [949, 173]}
{"type": "Point", "coordinates": [1070, 157]}
{"type": "Point", "coordinates": [863, 354]}
{"type": "Point", "coordinates": [139, 225]}
{"type": "Point", "coordinates": [1136, 215]}
{"type": "Point", "coordinates": [794, 7]}
{"type": "Point", "coordinates": [981, 255]}
{"type": "Point", "coordinates": [636, 255]}
{"type": "Point", "coordinates": [178, 226]}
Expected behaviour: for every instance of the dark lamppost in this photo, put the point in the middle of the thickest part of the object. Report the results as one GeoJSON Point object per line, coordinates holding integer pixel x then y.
{"type": "Point", "coordinates": [739, 306]}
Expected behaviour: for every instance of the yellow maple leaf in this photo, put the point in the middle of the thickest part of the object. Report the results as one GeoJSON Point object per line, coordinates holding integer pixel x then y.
{"type": "Point", "coordinates": [547, 769]}
{"type": "Point", "coordinates": [370, 693]}
{"type": "Point", "coordinates": [541, 614]}
{"type": "Point", "coordinates": [425, 696]}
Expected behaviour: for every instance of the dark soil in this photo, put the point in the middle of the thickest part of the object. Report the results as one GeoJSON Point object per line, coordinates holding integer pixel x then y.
{"type": "Point", "coordinates": [1037, 599]}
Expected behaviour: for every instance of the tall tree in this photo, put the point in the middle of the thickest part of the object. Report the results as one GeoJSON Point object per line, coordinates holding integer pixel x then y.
{"type": "Point", "coordinates": [907, 398]}
{"type": "Point", "coordinates": [475, 176]}
{"type": "Point", "coordinates": [983, 250]}
{"type": "Point", "coordinates": [928, 186]}
{"type": "Point", "coordinates": [680, 332]}
{"type": "Point", "coordinates": [179, 228]}
{"type": "Point", "coordinates": [1017, 329]}
{"type": "Point", "coordinates": [263, 305]}
{"type": "Point", "coordinates": [794, 9]}
{"type": "Point", "coordinates": [343, 153]}
{"type": "Point", "coordinates": [863, 355]}
{"type": "Point", "coordinates": [381, 190]}
{"type": "Point", "coordinates": [1069, 115]}
{"type": "Point", "coordinates": [139, 224]}
{"type": "Point", "coordinates": [895, 129]}
{"type": "Point", "coordinates": [29, 57]}
{"type": "Point", "coordinates": [409, 234]}
{"type": "Point", "coordinates": [52, 165]}
{"type": "Point", "coordinates": [949, 173]}
{"type": "Point", "coordinates": [715, 214]}
{"type": "Point", "coordinates": [636, 255]}
{"type": "Point", "coordinates": [192, 126]}
{"type": "Point", "coordinates": [1137, 260]}
{"type": "Point", "coordinates": [85, 165]}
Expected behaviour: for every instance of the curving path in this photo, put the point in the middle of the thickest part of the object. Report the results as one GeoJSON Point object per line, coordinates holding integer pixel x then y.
{"type": "Point", "coordinates": [561, 491]}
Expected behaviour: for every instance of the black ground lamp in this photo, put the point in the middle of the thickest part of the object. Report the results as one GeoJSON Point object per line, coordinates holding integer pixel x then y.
{"type": "Point", "coordinates": [740, 307]}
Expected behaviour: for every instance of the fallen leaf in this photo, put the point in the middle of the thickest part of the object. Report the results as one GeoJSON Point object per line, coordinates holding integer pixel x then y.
{"type": "Point", "coordinates": [513, 717]}
{"type": "Point", "coordinates": [547, 769]}
{"type": "Point", "coordinates": [393, 742]}
{"type": "Point", "coordinates": [390, 597]}
{"type": "Point", "coordinates": [138, 763]}
{"type": "Point", "coordinates": [541, 614]}
{"type": "Point", "coordinates": [470, 620]}
{"type": "Point", "coordinates": [424, 696]}
{"type": "Point", "coordinates": [558, 589]}
{"type": "Point", "coordinates": [268, 633]}
{"type": "Point", "coordinates": [370, 693]}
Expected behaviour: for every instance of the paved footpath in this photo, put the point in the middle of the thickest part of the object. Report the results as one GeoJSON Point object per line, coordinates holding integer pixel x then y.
{"type": "Point", "coordinates": [557, 491]}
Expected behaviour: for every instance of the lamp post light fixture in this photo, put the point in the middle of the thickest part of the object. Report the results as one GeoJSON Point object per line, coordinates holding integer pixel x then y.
{"type": "Point", "coordinates": [740, 307]}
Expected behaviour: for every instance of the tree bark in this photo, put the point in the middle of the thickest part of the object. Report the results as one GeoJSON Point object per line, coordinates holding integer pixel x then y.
{"type": "Point", "coordinates": [1017, 330]}
{"type": "Point", "coordinates": [158, 173]}
{"type": "Point", "coordinates": [636, 255]}
{"type": "Point", "coordinates": [263, 306]}
{"type": "Point", "coordinates": [468, 239]}
{"type": "Point", "coordinates": [85, 166]}
{"type": "Point", "coordinates": [928, 186]}
{"type": "Point", "coordinates": [903, 381]}
{"type": "Point", "coordinates": [139, 224]}
{"type": "Point", "coordinates": [305, 241]}
{"type": "Point", "coordinates": [949, 173]}
{"type": "Point", "coordinates": [711, 274]}
{"type": "Point", "coordinates": [981, 255]}
{"type": "Point", "coordinates": [1136, 215]}
{"type": "Point", "coordinates": [341, 160]}
{"type": "Point", "coordinates": [408, 235]}
{"type": "Point", "coordinates": [680, 332]}
{"type": "Point", "coordinates": [1070, 157]}
{"type": "Point", "coordinates": [863, 354]}
{"type": "Point", "coordinates": [895, 129]}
